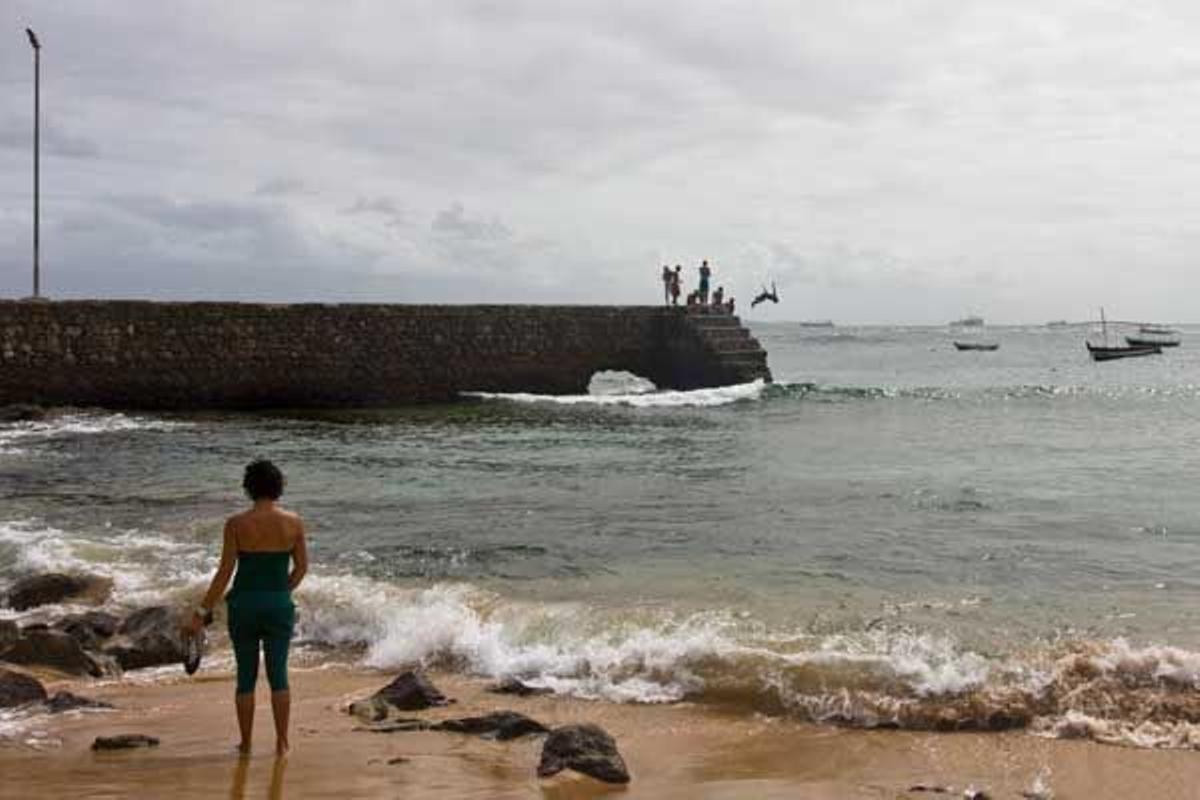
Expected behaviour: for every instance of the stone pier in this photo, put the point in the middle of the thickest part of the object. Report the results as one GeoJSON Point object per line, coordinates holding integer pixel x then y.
{"type": "Point", "coordinates": [165, 355]}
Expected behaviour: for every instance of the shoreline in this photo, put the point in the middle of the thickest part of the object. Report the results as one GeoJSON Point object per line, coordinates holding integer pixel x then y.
{"type": "Point", "coordinates": [681, 750]}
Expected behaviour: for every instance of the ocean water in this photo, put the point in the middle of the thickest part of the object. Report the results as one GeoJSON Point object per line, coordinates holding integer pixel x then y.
{"type": "Point", "coordinates": [893, 534]}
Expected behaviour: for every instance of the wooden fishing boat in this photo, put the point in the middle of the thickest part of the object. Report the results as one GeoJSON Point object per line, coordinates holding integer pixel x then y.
{"type": "Point", "coordinates": [982, 346]}
{"type": "Point", "coordinates": [1102, 353]}
{"type": "Point", "coordinates": [1158, 330]}
{"type": "Point", "coordinates": [1105, 352]}
{"type": "Point", "coordinates": [1144, 340]}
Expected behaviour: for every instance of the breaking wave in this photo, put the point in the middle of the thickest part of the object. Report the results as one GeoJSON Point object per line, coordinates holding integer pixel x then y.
{"type": "Point", "coordinates": [719, 396]}
{"type": "Point", "coordinates": [866, 676]}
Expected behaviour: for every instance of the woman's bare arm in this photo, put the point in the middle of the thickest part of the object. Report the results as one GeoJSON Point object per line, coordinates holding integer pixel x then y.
{"type": "Point", "coordinates": [299, 560]}
{"type": "Point", "coordinates": [229, 553]}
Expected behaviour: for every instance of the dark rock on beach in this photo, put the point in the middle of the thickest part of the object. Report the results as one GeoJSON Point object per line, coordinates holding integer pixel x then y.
{"type": "Point", "coordinates": [9, 632]}
{"type": "Point", "coordinates": [124, 741]}
{"type": "Point", "coordinates": [146, 621]}
{"type": "Point", "coordinates": [148, 637]}
{"type": "Point", "coordinates": [17, 689]}
{"type": "Point", "coordinates": [518, 688]}
{"type": "Point", "coordinates": [500, 725]}
{"type": "Point", "coordinates": [51, 649]}
{"type": "Point", "coordinates": [410, 691]}
{"type": "Point", "coordinates": [89, 629]}
{"type": "Point", "coordinates": [400, 725]}
{"type": "Point", "coordinates": [55, 587]}
{"type": "Point", "coordinates": [587, 749]}
{"type": "Point", "coordinates": [66, 701]}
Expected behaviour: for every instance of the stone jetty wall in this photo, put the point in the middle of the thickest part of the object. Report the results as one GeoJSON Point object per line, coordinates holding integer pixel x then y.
{"type": "Point", "coordinates": [157, 355]}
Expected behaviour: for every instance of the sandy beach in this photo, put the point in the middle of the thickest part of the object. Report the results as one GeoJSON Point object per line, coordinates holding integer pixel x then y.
{"type": "Point", "coordinates": [673, 751]}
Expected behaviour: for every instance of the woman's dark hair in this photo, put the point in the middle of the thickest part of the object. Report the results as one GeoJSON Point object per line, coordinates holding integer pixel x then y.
{"type": "Point", "coordinates": [263, 480]}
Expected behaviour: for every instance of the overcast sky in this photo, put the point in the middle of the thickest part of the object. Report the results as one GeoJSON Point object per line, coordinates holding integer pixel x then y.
{"type": "Point", "coordinates": [882, 161]}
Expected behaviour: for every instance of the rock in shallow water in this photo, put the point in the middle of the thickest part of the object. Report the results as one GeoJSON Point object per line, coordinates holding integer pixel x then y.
{"type": "Point", "coordinates": [89, 628]}
{"type": "Point", "coordinates": [124, 741]}
{"type": "Point", "coordinates": [519, 688]}
{"type": "Point", "coordinates": [51, 649]}
{"type": "Point", "coordinates": [17, 689]}
{"type": "Point", "coordinates": [55, 587]}
{"type": "Point", "coordinates": [588, 749]}
{"type": "Point", "coordinates": [66, 701]}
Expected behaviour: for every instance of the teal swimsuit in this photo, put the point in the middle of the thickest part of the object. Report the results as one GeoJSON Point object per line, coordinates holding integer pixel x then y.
{"type": "Point", "coordinates": [261, 610]}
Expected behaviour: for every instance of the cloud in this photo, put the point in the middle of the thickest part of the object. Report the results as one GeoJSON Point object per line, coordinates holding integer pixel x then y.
{"type": "Point", "coordinates": [382, 207]}
{"type": "Point", "coordinates": [281, 187]}
{"type": "Point", "coordinates": [17, 134]}
{"type": "Point", "coordinates": [902, 163]}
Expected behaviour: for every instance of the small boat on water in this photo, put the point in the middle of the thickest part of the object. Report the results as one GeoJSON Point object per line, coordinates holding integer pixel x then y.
{"type": "Point", "coordinates": [1057, 323]}
{"type": "Point", "coordinates": [1105, 352]}
{"type": "Point", "coordinates": [1101, 353]}
{"type": "Point", "coordinates": [816, 323]}
{"type": "Point", "coordinates": [1157, 330]}
{"type": "Point", "coordinates": [1148, 340]}
{"type": "Point", "coordinates": [981, 346]}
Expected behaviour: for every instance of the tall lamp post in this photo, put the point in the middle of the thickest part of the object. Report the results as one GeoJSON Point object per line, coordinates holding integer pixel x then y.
{"type": "Point", "coordinates": [37, 108]}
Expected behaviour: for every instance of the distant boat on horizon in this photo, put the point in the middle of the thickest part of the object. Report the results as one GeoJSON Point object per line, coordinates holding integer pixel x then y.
{"type": "Point", "coordinates": [1057, 323]}
{"type": "Point", "coordinates": [980, 346]}
{"type": "Point", "coordinates": [816, 323]}
{"type": "Point", "coordinates": [968, 322]}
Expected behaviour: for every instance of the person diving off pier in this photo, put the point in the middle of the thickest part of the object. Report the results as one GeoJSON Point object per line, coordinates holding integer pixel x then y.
{"type": "Point", "coordinates": [764, 296]}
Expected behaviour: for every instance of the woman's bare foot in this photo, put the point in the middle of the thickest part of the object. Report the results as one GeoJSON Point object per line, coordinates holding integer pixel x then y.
{"type": "Point", "coordinates": [281, 747]}
{"type": "Point", "coordinates": [243, 748]}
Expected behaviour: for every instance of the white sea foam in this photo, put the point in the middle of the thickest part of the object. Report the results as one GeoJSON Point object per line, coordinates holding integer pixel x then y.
{"type": "Point", "coordinates": [697, 398]}
{"type": "Point", "coordinates": [78, 424]}
{"type": "Point", "coordinates": [144, 567]}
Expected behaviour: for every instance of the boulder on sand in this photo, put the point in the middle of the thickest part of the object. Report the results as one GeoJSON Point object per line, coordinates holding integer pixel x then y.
{"type": "Point", "coordinates": [51, 649]}
{"type": "Point", "coordinates": [55, 587]}
{"type": "Point", "coordinates": [499, 725]}
{"type": "Point", "coordinates": [148, 637]}
{"type": "Point", "coordinates": [17, 689]}
{"type": "Point", "coordinates": [410, 691]}
{"type": "Point", "coordinates": [584, 748]}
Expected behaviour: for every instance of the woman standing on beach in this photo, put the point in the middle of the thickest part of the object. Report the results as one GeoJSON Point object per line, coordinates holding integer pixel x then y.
{"type": "Point", "coordinates": [266, 545]}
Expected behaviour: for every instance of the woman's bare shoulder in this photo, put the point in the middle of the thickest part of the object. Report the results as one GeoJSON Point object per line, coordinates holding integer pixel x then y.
{"type": "Point", "coordinates": [236, 520]}
{"type": "Point", "coordinates": [293, 519]}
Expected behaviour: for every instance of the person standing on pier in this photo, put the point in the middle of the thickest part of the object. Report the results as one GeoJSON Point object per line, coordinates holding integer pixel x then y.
{"type": "Point", "coordinates": [668, 278]}
{"type": "Point", "coordinates": [676, 280]}
{"type": "Point", "coordinates": [705, 274]}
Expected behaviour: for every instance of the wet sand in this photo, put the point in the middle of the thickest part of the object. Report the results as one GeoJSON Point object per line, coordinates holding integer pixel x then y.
{"type": "Point", "coordinates": [678, 751]}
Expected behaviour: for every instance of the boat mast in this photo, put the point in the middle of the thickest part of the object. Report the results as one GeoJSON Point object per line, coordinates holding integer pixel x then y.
{"type": "Point", "coordinates": [1103, 326]}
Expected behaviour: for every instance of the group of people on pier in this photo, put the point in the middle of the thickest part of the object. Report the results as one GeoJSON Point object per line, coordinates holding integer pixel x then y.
{"type": "Point", "coordinates": [697, 300]}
